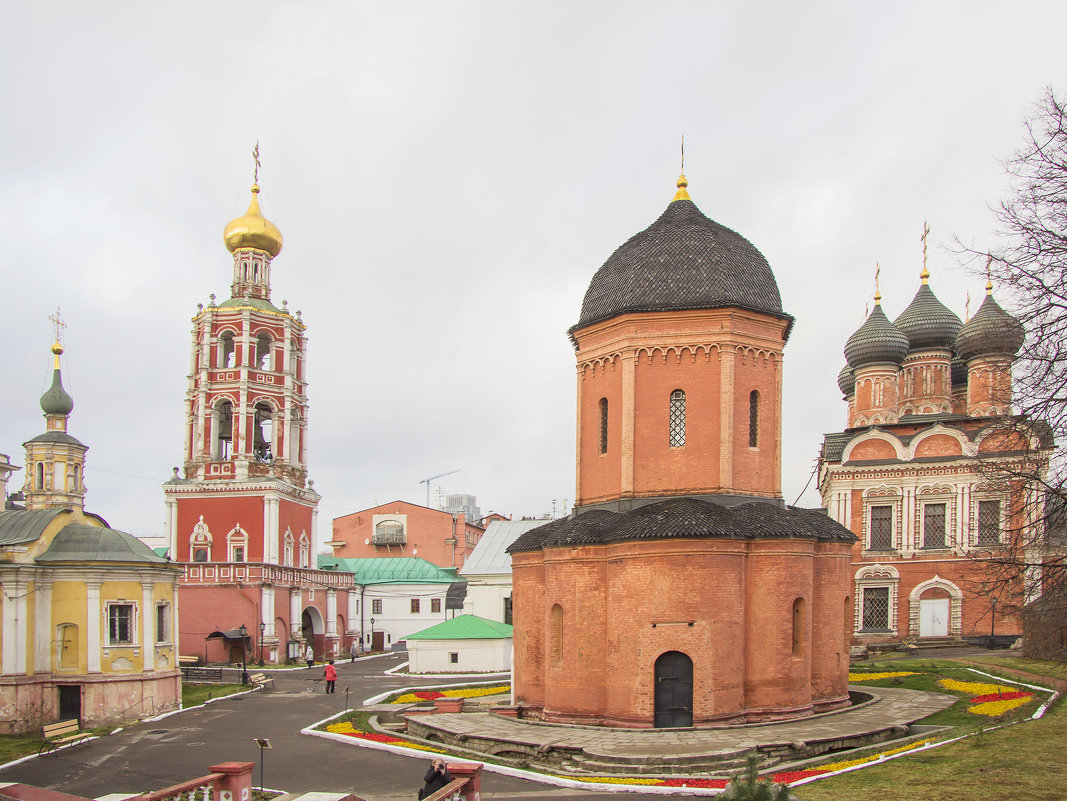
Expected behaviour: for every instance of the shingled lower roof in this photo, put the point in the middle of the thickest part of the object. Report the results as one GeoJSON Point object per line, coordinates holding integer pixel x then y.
{"type": "Point", "coordinates": [685, 518]}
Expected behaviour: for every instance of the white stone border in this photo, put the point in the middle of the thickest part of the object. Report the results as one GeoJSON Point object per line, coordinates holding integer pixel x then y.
{"type": "Point", "coordinates": [393, 672]}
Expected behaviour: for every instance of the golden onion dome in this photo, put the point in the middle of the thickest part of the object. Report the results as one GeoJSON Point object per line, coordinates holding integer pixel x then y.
{"type": "Point", "coordinates": [253, 230]}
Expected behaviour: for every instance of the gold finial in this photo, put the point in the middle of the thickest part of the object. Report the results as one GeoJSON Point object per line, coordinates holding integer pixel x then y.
{"type": "Point", "coordinates": [925, 274]}
{"type": "Point", "coordinates": [682, 183]}
{"type": "Point", "coordinates": [255, 157]}
{"type": "Point", "coordinates": [967, 307]}
{"type": "Point", "coordinates": [989, 274]}
{"type": "Point", "coordinates": [57, 326]}
{"type": "Point", "coordinates": [877, 291]}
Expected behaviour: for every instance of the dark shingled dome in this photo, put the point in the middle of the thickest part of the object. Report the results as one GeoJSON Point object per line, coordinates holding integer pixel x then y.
{"type": "Point", "coordinates": [687, 518]}
{"type": "Point", "coordinates": [682, 261]}
{"type": "Point", "coordinates": [927, 323]}
{"type": "Point", "coordinates": [959, 371]}
{"type": "Point", "coordinates": [877, 341]}
{"type": "Point", "coordinates": [991, 332]}
{"type": "Point", "coordinates": [846, 381]}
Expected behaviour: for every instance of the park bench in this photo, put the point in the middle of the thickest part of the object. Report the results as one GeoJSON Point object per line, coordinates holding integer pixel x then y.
{"type": "Point", "coordinates": [188, 661]}
{"type": "Point", "coordinates": [260, 680]}
{"type": "Point", "coordinates": [62, 733]}
{"type": "Point", "coordinates": [202, 674]}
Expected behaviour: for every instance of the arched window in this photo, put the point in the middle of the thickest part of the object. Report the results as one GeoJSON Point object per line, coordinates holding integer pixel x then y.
{"type": "Point", "coordinates": [237, 544]}
{"type": "Point", "coordinates": [676, 419]}
{"type": "Point", "coordinates": [39, 476]}
{"type": "Point", "coordinates": [227, 350]}
{"type": "Point", "coordinates": [223, 419]}
{"type": "Point", "coordinates": [287, 558]}
{"type": "Point", "coordinates": [753, 419]}
{"type": "Point", "coordinates": [263, 433]}
{"type": "Point", "coordinates": [603, 425]}
{"type": "Point", "coordinates": [799, 625]}
{"type": "Point", "coordinates": [200, 542]}
{"type": "Point", "coordinates": [305, 550]}
{"type": "Point", "coordinates": [74, 479]}
{"type": "Point", "coordinates": [68, 645]}
{"type": "Point", "coordinates": [556, 644]}
{"type": "Point", "coordinates": [263, 351]}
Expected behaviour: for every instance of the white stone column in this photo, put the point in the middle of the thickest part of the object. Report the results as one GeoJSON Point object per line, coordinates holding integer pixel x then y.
{"type": "Point", "coordinates": [93, 641]}
{"type": "Point", "coordinates": [353, 609]}
{"type": "Point", "coordinates": [148, 626]}
{"type": "Point", "coordinates": [295, 608]}
{"type": "Point", "coordinates": [331, 612]}
{"type": "Point", "coordinates": [314, 536]}
{"type": "Point", "coordinates": [266, 609]}
{"type": "Point", "coordinates": [43, 630]}
{"type": "Point", "coordinates": [270, 529]}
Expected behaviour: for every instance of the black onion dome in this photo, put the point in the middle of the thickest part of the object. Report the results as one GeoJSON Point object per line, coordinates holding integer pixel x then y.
{"type": "Point", "coordinates": [991, 332]}
{"type": "Point", "coordinates": [927, 322]}
{"type": "Point", "coordinates": [688, 518]}
{"type": "Point", "coordinates": [959, 371]}
{"type": "Point", "coordinates": [877, 341]}
{"type": "Point", "coordinates": [56, 400]}
{"type": "Point", "coordinates": [846, 381]}
{"type": "Point", "coordinates": [682, 261]}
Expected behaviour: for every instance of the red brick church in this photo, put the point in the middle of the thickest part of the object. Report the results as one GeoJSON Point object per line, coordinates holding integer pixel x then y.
{"type": "Point", "coordinates": [241, 515]}
{"type": "Point", "coordinates": [681, 591]}
{"type": "Point", "coordinates": [921, 473]}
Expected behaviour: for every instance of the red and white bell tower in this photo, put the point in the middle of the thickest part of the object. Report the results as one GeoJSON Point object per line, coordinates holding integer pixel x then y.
{"type": "Point", "coordinates": [244, 494]}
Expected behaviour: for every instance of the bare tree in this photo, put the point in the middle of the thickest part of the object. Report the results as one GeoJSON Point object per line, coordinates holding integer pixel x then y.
{"type": "Point", "coordinates": [1029, 269]}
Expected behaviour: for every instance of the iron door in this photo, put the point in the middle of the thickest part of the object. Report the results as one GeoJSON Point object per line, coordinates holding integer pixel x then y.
{"type": "Point", "coordinates": [674, 691]}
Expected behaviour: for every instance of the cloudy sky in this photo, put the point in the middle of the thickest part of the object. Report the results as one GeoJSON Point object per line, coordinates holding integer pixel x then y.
{"type": "Point", "coordinates": [448, 176]}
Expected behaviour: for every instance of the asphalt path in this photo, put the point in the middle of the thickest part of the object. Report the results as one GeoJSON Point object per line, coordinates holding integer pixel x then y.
{"type": "Point", "coordinates": [156, 754]}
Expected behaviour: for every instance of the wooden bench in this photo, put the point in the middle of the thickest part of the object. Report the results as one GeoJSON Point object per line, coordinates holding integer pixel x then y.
{"type": "Point", "coordinates": [188, 661]}
{"type": "Point", "coordinates": [61, 733]}
{"type": "Point", "coordinates": [260, 680]}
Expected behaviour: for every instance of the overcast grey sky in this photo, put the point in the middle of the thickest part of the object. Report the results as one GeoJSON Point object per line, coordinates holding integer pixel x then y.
{"type": "Point", "coordinates": [448, 177]}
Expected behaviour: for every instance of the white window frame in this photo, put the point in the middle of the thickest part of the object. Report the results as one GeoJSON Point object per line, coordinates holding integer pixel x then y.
{"type": "Point", "coordinates": [164, 637]}
{"type": "Point", "coordinates": [133, 627]}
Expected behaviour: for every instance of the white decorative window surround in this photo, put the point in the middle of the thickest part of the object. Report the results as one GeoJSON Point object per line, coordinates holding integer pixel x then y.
{"type": "Point", "coordinates": [988, 517]}
{"type": "Point", "coordinates": [289, 545]}
{"type": "Point", "coordinates": [882, 509]}
{"type": "Point", "coordinates": [935, 527]}
{"type": "Point", "coordinates": [121, 623]}
{"type": "Point", "coordinates": [955, 618]}
{"type": "Point", "coordinates": [237, 544]}
{"type": "Point", "coordinates": [876, 600]}
{"type": "Point", "coordinates": [305, 550]}
{"type": "Point", "coordinates": [163, 626]}
{"type": "Point", "coordinates": [200, 543]}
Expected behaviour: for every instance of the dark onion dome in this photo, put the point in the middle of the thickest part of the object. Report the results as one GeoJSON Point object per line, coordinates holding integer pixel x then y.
{"type": "Point", "coordinates": [846, 381]}
{"type": "Point", "coordinates": [56, 400]}
{"type": "Point", "coordinates": [959, 370]}
{"type": "Point", "coordinates": [877, 341]}
{"type": "Point", "coordinates": [687, 518]}
{"type": "Point", "coordinates": [682, 261]}
{"type": "Point", "coordinates": [927, 323]}
{"type": "Point", "coordinates": [991, 332]}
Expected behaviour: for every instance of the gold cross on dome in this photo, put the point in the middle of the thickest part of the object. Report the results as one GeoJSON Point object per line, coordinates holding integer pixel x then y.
{"type": "Point", "coordinates": [926, 232]}
{"type": "Point", "coordinates": [255, 157]}
{"type": "Point", "coordinates": [57, 323]}
{"type": "Point", "coordinates": [683, 154]}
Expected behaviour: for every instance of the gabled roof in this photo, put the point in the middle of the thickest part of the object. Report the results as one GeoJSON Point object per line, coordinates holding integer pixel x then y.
{"type": "Point", "coordinates": [490, 556]}
{"type": "Point", "coordinates": [390, 570]}
{"type": "Point", "coordinates": [464, 627]}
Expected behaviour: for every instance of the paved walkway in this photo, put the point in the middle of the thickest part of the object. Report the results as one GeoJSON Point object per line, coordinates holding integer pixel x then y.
{"type": "Point", "coordinates": [894, 707]}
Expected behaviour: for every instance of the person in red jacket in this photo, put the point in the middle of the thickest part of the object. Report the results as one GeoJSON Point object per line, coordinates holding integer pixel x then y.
{"type": "Point", "coordinates": [330, 672]}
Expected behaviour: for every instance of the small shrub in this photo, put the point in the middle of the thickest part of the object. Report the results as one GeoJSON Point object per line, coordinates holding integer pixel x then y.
{"type": "Point", "coordinates": [748, 786]}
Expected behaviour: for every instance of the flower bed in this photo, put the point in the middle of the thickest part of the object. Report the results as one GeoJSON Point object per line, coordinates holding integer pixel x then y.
{"type": "Point", "coordinates": [988, 699]}
{"type": "Point", "coordinates": [346, 728]}
{"type": "Point", "coordinates": [855, 677]}
{"type": "Point", "coordinates": [463, 692]}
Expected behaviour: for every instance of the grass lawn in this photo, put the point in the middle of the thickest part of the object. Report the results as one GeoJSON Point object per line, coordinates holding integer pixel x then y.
{"type": "Point", "coordinates": [196, 694]}
{"type": "Point", "coordinates": [1022, 762]}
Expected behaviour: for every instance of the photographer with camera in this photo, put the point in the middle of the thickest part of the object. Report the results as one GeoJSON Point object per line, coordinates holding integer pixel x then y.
{"type": "Point", "coordinates": [436, 778]}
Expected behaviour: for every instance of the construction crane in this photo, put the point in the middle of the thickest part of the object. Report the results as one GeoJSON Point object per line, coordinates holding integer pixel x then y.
{"type": "Point", "coordinates": [427, 481]}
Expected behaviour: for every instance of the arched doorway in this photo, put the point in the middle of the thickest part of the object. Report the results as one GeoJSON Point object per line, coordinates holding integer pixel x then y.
{"type": "Point", "coordinates": [673, 691]}
{"type": "Point", "coordinates": [934, 613]}
{"type": "Point", "coordinates": [312, 629]}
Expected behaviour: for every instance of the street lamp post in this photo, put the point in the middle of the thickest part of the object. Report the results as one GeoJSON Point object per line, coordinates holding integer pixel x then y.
{"type": "Point", "coordinates": [371, 634]}
{"type": "Point", "coordinates": [244, 649]}
{"type": "Point", "coordinates": [262, 628]}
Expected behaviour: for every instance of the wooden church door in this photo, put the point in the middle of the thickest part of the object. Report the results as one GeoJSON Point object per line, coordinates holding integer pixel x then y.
{"type": "Point", "coordinates": [674, 691]}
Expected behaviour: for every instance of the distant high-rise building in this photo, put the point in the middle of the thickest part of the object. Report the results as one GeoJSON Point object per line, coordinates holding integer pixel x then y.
{"type": "Point", "coordinates": [462, 504]}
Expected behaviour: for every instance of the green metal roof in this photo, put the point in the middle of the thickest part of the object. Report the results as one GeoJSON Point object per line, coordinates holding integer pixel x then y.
{"type": "Point", "coordinates": [250, 303]}
{"type": "Point", "coordinates": [21, 525]}
{"type": "Point", "coordinates": [464, 627]}
{"type": "Point", "coordinates": [79, 542]}
{"type": "Point", "coordinates": [390, 570]}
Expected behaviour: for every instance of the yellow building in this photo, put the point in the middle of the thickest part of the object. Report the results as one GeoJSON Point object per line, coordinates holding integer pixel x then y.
{"type": "Point", "coordinates": [88, 614]}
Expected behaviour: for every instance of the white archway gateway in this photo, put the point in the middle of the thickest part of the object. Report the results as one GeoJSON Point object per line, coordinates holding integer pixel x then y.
{"type": "Point", "coordinates": [935, 617]}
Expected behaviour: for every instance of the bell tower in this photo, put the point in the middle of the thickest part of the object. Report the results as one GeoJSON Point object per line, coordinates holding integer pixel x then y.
{"type": "Point", "coordinates": [243, 488]}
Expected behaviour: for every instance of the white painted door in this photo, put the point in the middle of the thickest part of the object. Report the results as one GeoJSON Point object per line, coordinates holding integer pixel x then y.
{"type": "Point", "coordinates": [933, 617]}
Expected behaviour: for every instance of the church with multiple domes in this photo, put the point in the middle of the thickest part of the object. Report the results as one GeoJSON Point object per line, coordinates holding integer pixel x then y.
{"type": "Point", "coordinates": [681, 591]}
{"type": "Point", "coordinates": [920, 474]}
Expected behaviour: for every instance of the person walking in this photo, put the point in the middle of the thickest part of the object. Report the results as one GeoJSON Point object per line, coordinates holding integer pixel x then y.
{"type": "Point", "coordinates": [309, 655]}
{"type": "Point", "coordinates": [436, 778]}
{"type": "Point", "coordinates": [330, 674]}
